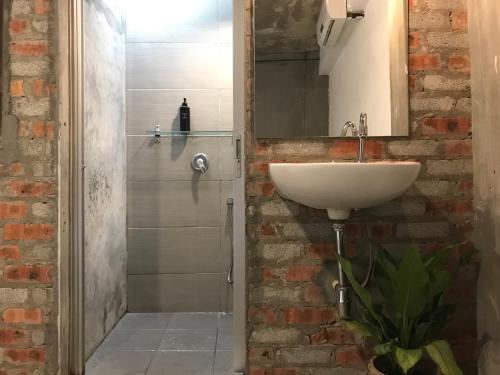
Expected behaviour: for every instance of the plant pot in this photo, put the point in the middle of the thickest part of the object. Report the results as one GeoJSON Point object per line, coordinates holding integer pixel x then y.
{"type": "Point", "coordinates": [425, 367]}
{"type": "Point", "coordinates": [372, 370]}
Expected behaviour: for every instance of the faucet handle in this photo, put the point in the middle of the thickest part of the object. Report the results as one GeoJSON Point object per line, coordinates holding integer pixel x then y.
{"type": "Point", "coordinates": [363, 125]}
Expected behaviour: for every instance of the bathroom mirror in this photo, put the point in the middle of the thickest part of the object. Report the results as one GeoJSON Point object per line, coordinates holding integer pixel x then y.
{"type": "Point", "coordinates": [303, 90]}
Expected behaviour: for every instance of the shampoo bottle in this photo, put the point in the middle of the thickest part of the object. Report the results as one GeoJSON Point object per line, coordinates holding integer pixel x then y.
{"type": "Point", "coordinates": [185, 117]}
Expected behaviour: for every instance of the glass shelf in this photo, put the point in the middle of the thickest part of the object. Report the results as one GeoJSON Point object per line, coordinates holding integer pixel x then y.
{"type": "Point", "coordinates": [178, 133]}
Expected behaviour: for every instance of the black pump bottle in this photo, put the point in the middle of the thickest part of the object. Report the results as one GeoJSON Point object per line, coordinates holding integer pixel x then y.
{"type": "Point", "coordinates": [185, 117]}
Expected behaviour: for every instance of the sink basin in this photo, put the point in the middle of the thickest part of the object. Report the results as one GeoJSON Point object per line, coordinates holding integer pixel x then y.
{"type": "Point", "coordinates": [341, 187]}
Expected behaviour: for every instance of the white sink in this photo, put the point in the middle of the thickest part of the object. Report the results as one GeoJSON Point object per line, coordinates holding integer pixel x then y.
{"type": "Point", "coordinates": [341, 187]}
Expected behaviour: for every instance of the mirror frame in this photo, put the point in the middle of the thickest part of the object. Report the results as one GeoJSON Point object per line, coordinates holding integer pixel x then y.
{"type": "Point", "coordinates": [398, 70]}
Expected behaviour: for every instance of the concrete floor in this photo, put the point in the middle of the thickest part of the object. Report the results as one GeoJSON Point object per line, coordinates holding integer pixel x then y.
{"type": "Point", "coordinates": [166, 344]}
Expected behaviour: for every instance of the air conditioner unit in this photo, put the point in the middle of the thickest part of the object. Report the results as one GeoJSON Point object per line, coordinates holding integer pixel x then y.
{"type": "Point", "coordinates": [332, 18]}
{"type": "Point", "coordinates": [331, 21]}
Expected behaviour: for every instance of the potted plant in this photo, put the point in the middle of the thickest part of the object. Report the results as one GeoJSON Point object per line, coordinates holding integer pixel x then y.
{"type": "Point", "coordinates": [405, 313]}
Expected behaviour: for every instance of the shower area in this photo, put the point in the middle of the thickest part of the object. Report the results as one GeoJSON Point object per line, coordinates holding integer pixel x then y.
{"type": "Point", "coordinates": [158, 198]}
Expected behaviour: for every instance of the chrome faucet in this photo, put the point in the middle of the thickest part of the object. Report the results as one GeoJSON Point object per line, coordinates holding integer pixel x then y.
{"type": "Point", "coordinates": [352, 126]}
{"type": "Point", "coordinates": [361, 132]}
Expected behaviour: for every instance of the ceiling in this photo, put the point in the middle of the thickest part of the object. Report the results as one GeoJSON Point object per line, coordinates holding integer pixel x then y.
{"type": "Point", "coordinates": [286, 26]}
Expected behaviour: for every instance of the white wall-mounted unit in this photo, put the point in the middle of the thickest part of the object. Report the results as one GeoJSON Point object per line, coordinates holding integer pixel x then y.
{"type": "Point", "coordinates": [331, 22]}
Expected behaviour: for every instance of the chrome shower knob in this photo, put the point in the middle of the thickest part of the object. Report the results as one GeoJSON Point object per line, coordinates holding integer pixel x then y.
{"type": "Point", "coordinates": [200, 163]}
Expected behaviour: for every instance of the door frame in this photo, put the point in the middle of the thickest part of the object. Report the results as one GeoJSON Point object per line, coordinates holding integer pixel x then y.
{"type": "Point", "coordinates": [70, 188]}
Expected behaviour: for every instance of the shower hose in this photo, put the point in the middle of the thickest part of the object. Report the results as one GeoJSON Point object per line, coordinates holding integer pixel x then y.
{"type": "Point", "coordinates": [230, 204]}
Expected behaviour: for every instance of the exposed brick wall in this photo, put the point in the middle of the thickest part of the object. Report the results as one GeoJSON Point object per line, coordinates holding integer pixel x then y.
{"type": "Point", "coordinates": [292, 323]}
{"type": "Point", "coordinates": [28, 206]}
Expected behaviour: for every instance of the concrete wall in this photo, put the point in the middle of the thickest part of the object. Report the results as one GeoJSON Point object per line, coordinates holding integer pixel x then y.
{"type": "Point", "coordinates": [178, 222]}
{"type": "Point", "coordinates": [105, 161]}
{"type": "Point", "coordinates": [28, 191]}
{"type": "Point", "coordinates": [291, 97]}
{"type": "Point", "coordinates": [292, 321]}
{"type": "Point", "coordinates": [485, 29]}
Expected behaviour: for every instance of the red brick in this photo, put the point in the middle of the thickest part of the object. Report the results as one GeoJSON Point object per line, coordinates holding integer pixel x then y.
{"type": "Point", "coordinates": [349, 355]}
{"type": "Point", "coordinates": [333, 336]}
{"type": "Point", "coordinates": [28, 232]}
{"type": "Point", "coordinates": [262, 149]}
{"type": "Point", "coordinates": [302, 273]}
{"type": "Point", "coordinates": [419, 62]}
{"type": "Point", "coordinates": [20, 315]}
{"type": "Point", "coordinates": [32, 355]}
{"type": "Point", "coordinates": [13, 336]}
{"type": "Point", "coordinates": [465, 186]}
{"type": "Point", "coordinates": [268, 274]}
{"type": "Point", "coordinates": [17, 88]}
{"type": "Point", "coordinates": [10, 252]}
{"type": "Point", "coordinates": [35, 48]}
{"type": "Point", "coordinates": [50, 129]}
{"type": "Point", "coordinates": [32, 188]}
{"type": "Point", "coordinates": [262, 315]}
{"type": "Point", "coordinates": [314, 295]}
{"type": "Point", "coordinates": [38, 129]}
{"type": "Point", "coordinates": [380, 231]}
{"type": "Point", "coordinates": [321, 251]}
{"type": "Point", "coordinates": [459, 63]}
{"type": "Point", "coordinates": [309, 315]}
{"type": "Point", "coordinates": [267, 230]}
{"type": "Point", "coordinates": [41, 7]}
{"type": "Point", "coordinates": [459, 20]}
{"type": "Point", "coordinates": [259, 168]}
{"type": "Point", "coordinates": [40, 88]}
{"type": "Point", "coordinates": [16, 169]}
{"type": "Point", "coordinates": [38, 273]}
{"type": "Point", "coordinates": [445, 125]}
{"type": "Point", "coordinates": [414, 40]}
{"type": "Point", "coordinates": [18, 26]}
{"type": "Point", "coordinates": [349, 149]}
{"type": "Point", "coordinates": [265, 189]}
{"type": "Point", "coordinates": [458, 148]}
{"type": "Point", "coordinates": [13, 210]}
{"type": "Point", "coordinates": [273, 371]}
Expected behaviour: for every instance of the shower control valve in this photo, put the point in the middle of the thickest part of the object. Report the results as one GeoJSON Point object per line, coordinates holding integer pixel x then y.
{"type": "Point", "coordinates": [200, 163]}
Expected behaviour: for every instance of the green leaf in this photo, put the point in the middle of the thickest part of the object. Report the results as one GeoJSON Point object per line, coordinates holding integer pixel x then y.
{"type": "Point", "coordinates": [361, 328]}
{"type": "Point", "coordinates": [407, 358]}
{"type": "Point", "coordinates": [382, 349]}
{"type": "Point", "coordinates": [410, 291]}
{"type": "Point", "coordinates": [437, 258]}
{"type": "Point", "coordinates": [363, 294]}
{"type": "Point", "coordinates": [440, 280]}
{"type": "Point", "coordinates": [442, 355]}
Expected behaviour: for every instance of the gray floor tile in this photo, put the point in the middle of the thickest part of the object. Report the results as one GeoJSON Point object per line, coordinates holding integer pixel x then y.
{"type": "Point", "coordinates": [181, 363]}
{"type": "Point", "coordinates": [183, 339]}
{"type": "Point", "coordinates": [224, 341]}
{"type": "Point", "coordinates": [226, 322]}
{"type": "Point", "coordinates": [122, 363]}
{"type": "Point", "coordinates": [134, 340]}
{"type": "Point", "coordinates": [223, 363]}
{"type": "Point", "coordinates": [194, 321]}
{"type": "Point", "coordinates": [131, 321]}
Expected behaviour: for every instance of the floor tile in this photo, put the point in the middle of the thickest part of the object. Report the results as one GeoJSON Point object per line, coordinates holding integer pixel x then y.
{"type": "Point", "coordinates": [226, 322]}
{"type": "Point", "coordinates": [181, 363]}
{"type": "Point", "coordinates": [183, 339]}
{"type": "Point", "coordinates": [134, 340]}
{"type": "Point", "coordinates": [122, 363]}
{"type": "Point", "coordinates": [133, 321]}
{"type": "Point", "coordinates": [194, 321]}
{"type": "Point", "coordinates": [224, 341]}
{"type": "Point", "coordinates": [223, 363]}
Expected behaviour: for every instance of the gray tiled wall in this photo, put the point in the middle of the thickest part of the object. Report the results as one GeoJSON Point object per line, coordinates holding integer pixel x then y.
{"type": "Point", "coordinates": [178, 224]}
